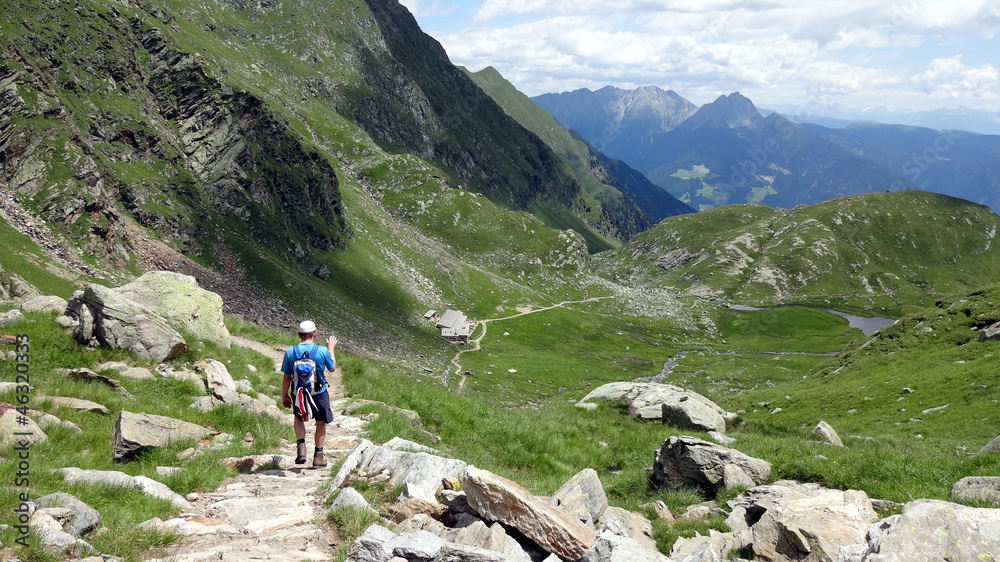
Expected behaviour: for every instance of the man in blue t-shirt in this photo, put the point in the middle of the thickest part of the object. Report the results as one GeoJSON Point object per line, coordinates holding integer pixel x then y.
{"type": "Point", "coordinates": [303, 403]}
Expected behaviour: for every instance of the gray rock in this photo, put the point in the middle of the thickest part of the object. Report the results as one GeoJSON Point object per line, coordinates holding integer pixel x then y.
{"type": "Point", "coordinates": [359, 456]}
{"type": "Point", "coordinates": [405, 467]}
{"type": "Point", "coordinates": [203, 403]}
{"type": "Point", "coordinates": [609, 391]}
{"type": "Point", "coordinates": [802, 521]}
{"type": "Point", "coordinates": [117, 322]}
{"type": "Point", "coordinates": [609, 547]}
{"type": "Point", "coordinates": [156, 489]}
{"type": "Point", "coordinates": [349, 497]}
{"type": "Point", "coordinates": [179, 300]}
{"type": "Point", "coordinates": [721, 439]}
{"type": "Point", "coordinates": [63, 541]}
{"type": "Point", "coordinates": [991, 332]}
{"type": "Point", "coordinates": [700, 548]}
{"type": "Point", "coordinates": [991, 447]}
{"type": "Point", "coordinates": [46, 303]}
{"type": "Point", "coordinates": [65, 322]}
{"type": "Point", "coordinates": [426, 491]}
{"type": "Point", "coordinates": [217, 377]}
{"type": "Point", "coordinates": [824, 430]}
{"type": "Point", "coordinates": [497, 499]}
{"type": "Point", "coordinates": [469, 532]}
{"type": "Point", "coordinates": [676, 406]}
{"type": "Point", "coordinates": [137, 373]}
{"type": "Point", "coordinates": [735, 477]}
{"type": "Point", "coordinates": [105, 477]}
{"type": "Point", "coordinates": [981, 488]}
{"type": "Point", "coordinates": [688, 461]}
{"type": "Point", "coordinates": [582, 495]}
{"type": "Point", "coordinates": [11, 317]}
{"type": "Point", "coordinates": [134, 433]}
{"type": "Point", "coordinates": [929, 530]}
{"type": "Point", "coordinates": [13, 431]}
{"type": "Point", "coordinates": [372, 545]}
{"type": "Point", "coordinates": [84, 519]}
{"type": "Point", "coordinates": [420, 545]}
{"type": "Point", "coordinates": [456, 501]}
{"type": "Point", "coordinates": [628, 524]}
{"type": "Point", "coordinates": [78, 404]}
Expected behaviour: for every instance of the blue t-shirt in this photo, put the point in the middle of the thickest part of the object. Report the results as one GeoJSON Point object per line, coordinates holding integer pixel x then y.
{"type": "Point", "coordinates": [318, 353]}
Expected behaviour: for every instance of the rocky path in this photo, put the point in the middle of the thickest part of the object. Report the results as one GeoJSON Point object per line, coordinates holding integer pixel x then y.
{"type": "Point", "coordinates": [272, 510]}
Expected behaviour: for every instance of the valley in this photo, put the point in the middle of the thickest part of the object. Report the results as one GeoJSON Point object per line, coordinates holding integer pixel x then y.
{"type": "Point", "coordinates": [342, 169]}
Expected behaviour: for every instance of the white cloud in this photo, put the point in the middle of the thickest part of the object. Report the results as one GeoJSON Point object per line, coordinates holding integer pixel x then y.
{"type": "Point", "coordinates": [950, 79]}
{"type": "Point", "coordinates": [780, 50]}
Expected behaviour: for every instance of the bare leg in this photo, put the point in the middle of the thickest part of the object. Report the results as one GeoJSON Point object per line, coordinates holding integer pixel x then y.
{"type": "Point", "coordinates": [320, 433]}
{"type": "Point", "coordinates": [300, 428]}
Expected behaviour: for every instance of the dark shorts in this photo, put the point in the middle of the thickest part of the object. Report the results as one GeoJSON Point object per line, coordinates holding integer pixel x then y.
{"type": "Point", "coordinates": [323, 412]}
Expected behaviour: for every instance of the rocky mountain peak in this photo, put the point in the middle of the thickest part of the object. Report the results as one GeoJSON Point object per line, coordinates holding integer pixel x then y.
{"type": "Point", "coordinates": [734, 111]}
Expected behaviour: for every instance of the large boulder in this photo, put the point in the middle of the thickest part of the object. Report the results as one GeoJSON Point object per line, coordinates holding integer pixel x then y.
{"type": "Point", "coordinates": [930, 530]}
{"type": "Point", "coordinates": [793, 521]}
{"type": "Point", "coordinates": [17, 428]}
{"type": "Point", "coordinates": [978, 488]}
{"type": "Point", "coordinates": [684, 461]}
{"type": "Point", "coordinates": [134, 433]}
{"type": "Point", "coordinates": [582, 495]}
{"type": "Point", "coordinates": [114, 321]}
{"type": "Point", "coordinates": [406, 466]}
{"type": "Point", "coordinates": [682, 408]}
{"type": "Point", "coordinates": [179, 300]}
{"type": "Point", "coordinates": [497, 499]}
{"type": "Point", "coordinates": [45, 303]}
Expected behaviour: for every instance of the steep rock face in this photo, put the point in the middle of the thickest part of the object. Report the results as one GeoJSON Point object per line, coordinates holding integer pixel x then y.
{"type": "Point", "coordinates": [245, 157]}
{"type": "Point", "coordinates": [103, 113]}
{"type": "Point", "coordinates": [415, 98]}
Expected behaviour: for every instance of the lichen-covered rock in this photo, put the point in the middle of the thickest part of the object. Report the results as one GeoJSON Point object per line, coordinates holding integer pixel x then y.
{"type": "Point", "coordinates": [930, 530]}
{"type": "Point", "coordinates": [179, 300]}
{"type": "Point", "coordinates": [978, 488]}
{"type": "Point", "coordinates": [15, 427]}
{"type": "Point", "coordinates": [115, 321]}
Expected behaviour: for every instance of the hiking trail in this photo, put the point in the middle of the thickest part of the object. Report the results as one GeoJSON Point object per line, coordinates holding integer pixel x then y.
{"type": "Point", "coordinates": [272, 510]}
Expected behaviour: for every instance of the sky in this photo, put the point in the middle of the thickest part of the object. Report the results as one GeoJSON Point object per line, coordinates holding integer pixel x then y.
{"type": "Point", "coordinates": [904, 54]}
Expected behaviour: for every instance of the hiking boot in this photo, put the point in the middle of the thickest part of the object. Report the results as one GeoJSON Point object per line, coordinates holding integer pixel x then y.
{"type": "Point", "coordinates": [319, 461]}
{"type": "Point", "coordinates": [300, 453]}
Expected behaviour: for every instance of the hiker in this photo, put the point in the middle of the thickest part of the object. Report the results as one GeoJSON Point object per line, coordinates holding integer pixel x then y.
{"type": "Point", "coordinates": [303, 366]}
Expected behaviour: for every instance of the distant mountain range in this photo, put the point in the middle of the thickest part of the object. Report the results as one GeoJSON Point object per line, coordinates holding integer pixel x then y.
{"type": "Point", "coordinates": [632, 202]}
{"type": "Point", "coordinates": [836, 115]}
{"type": "Point", "coordinates": [728, 152]}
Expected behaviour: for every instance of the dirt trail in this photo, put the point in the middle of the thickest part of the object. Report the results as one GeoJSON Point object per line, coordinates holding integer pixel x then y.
{"type": "Point", "coordinates": [272, 511]}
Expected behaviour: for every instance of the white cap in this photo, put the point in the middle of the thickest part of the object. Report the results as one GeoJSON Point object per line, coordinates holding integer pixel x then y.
{"type": "Point", "coordinates": [307, 327]}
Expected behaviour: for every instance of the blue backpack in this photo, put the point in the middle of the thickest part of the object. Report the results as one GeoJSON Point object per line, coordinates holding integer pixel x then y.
{"type": "Point", "coordinates": [305, 373]}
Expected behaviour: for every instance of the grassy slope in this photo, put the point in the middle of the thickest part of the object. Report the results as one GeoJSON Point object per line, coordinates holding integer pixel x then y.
{"type": "Point", "coordinates": [52, 349]}
{"type": "Point", "coordinates": [881, 251]}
